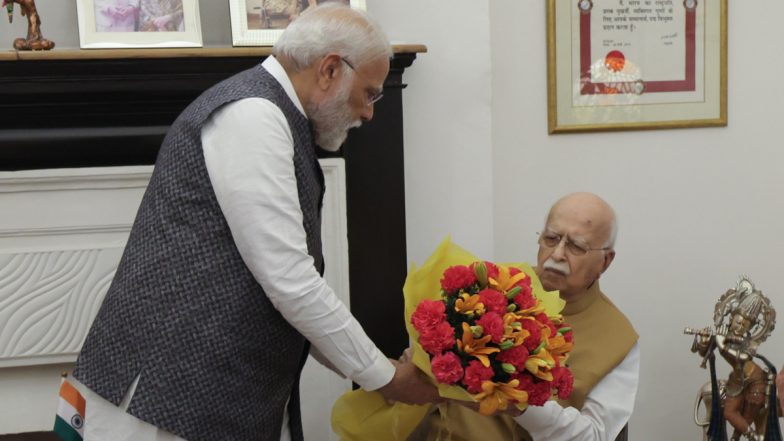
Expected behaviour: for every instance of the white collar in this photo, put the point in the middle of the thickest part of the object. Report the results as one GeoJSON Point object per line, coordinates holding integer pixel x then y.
{"type": "Point", "coordinates": [273, 66]}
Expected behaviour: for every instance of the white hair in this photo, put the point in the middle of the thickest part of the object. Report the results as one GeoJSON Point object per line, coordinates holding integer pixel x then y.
{"type": "Point", "coordinates": [332, 28]}
{"type": "Point", "coordinates": [611, 237]}
{"type": "Point", "coordinates": [610, 242]}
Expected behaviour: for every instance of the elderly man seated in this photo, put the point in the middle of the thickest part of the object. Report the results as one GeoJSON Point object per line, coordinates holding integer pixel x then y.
{"type": "Point", "coordinates": [575, 248]}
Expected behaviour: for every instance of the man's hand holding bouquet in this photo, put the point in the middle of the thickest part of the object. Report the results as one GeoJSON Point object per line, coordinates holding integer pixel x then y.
{"type": "Point", "coordinates": [485, 333]}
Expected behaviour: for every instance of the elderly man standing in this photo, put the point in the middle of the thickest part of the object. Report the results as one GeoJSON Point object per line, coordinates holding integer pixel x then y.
{"type": "Point", "coordinates": [575, 248]}
{"type": "Point", "coordinates": [209, 319]}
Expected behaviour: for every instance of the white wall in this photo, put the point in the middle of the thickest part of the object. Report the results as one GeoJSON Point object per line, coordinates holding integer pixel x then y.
{"type": "Point", "coordinates": [447, 120]}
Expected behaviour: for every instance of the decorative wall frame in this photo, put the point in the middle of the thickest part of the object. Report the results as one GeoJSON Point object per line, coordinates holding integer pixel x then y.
{"type": "Point", "coordinates": [636, 64]}
{"type": "Point", "coordinates": [107, 24]}
{"type": "Point", "coordinates": [260, 22]}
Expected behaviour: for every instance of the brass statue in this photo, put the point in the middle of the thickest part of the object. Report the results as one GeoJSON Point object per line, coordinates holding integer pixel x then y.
{"type": "Point", "coordinates": [34, 41]}
{"type": "Point", "coordinates": [743, 319]}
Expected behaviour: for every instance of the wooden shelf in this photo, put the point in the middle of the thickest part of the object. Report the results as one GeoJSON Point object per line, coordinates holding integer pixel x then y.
{"type": "Point", "coordinates": [124, 90]}
{"type": "Point", "coordinates": [208, 52]}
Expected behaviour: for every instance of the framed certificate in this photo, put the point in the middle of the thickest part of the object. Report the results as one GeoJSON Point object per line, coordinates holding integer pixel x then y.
{"type": "Point", "coordinates": [636, 64]}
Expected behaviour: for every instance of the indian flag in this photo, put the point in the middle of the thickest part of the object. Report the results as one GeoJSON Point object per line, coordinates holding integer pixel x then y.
{"type": "Point", "coordinates": [70, 413]}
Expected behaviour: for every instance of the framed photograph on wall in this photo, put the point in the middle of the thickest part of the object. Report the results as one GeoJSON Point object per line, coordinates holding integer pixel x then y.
{"type": "Point", "coordinates": [105, 24]}
{"type": "Point", "coordinates": [636, 64]}
{"type": "Point", "coordinates": [260, 22]}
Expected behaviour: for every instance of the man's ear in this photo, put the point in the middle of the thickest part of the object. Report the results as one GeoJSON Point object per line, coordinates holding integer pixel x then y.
{"type": "Point", "coordinates": [328, 70]}
{"type": "Point", "coordinates": [608, 258]}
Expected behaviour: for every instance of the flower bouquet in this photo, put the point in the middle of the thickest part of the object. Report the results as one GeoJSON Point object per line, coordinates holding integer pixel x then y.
{"type": "Point", "coordinates": [489, 335]}
{"type": "Point", "coordinates": [484, 332]}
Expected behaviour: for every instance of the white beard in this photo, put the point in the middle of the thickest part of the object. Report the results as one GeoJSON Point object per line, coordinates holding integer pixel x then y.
{"type": "Point", "coordinates": [332, 118]}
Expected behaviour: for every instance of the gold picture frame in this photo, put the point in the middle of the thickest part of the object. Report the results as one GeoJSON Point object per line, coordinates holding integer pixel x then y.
{"type": "Point", "coordinates": [113, 24]}
{"type": "Point", "coordinates": [636, 64]}
{"type": "Point", "coordinates": [260, 22]}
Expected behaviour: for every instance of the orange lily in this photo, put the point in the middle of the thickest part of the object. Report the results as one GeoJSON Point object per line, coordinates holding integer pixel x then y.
{"type": "Point", "coordinates": [540, 364]}
{"type": "Point", "coordinates": [557, 320]}
{"type": "Point", "coordinates": [559, 347]}
{"type": "Point", "coordinates": [476, 347]}
{"type": "Point", "coordinates": [505, 280]}
{"type": "Point", "coordinates": [513, 333]}
{"type": "Point", "coordinates": [532, 311]}
{"type": "Point", "coordinates": [469, 304]}
{"type": "Point", "coordinates": [496, 396]}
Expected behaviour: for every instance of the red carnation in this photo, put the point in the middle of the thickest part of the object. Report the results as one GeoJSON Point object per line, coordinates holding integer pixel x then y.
{"type": "Point", "coordinates": [568, 336]}
{"type": "Point", "coordinates": [539, 391]}
{"type": "Point", "coordinates": [535, 338]}
{"type": "Point", "coordinates": [493, 325]}
{"type": "Point", "coordinates": [515, 356]}
{"type": "Point", "coordinates": [475, 374]}
{"type": "Point", "coordinates": [542, 318]}
{"type": "Point", "coordinates": [428, 314]}
{"type": "Point", "coordinates": [523, 282]}
{"type": "Point", "coordinates": [447, 368]}
{"type": "Point", "coordinates": [493, 300]}
{"type": "Point", "coordinates": [545, 321]}
{"type": "Point", "coordinates": [456, 278]}
{"type": "Point", "coordinates": [438, 339]}
{"type": "Point", "coordinates": [525, 298]}
{"type": "Point", "coordinates": [563, 380]}
{"type": "Point", "coordinates": [492, 270]}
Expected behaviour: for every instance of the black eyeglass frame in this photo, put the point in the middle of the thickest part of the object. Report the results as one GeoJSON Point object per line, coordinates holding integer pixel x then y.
{"type": "Point", "coordinates": [574, 248]}
{"type": "Point", "coordinates": [371, 99]}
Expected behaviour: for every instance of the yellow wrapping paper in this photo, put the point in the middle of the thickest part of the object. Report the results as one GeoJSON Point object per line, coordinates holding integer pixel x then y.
{"type": "Point", "coordinates": [362, 416]}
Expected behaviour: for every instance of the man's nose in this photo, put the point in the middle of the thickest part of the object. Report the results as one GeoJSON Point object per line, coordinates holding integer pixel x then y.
{"type": "Point", "coordinates": [559, 252]}
{"type": "Point", "coordinates": [367, 113]}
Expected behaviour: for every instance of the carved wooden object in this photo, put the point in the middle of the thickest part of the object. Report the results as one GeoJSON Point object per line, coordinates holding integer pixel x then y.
{"type": "Point", "coordinates": [34, 41]}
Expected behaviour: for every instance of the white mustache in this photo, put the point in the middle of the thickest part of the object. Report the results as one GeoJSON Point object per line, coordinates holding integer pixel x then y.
{"type": "Point", "coordinates": [561, 267]}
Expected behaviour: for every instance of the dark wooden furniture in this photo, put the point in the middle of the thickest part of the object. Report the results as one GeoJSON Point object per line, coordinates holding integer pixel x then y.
{"type": "Point", "coordinates": [85, 108]}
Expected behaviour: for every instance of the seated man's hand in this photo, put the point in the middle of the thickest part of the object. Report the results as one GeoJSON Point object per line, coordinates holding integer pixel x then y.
{"type": "Point", "coordinates": [409, 385]}
{"type": "Point", "coordinates": [406, 356]}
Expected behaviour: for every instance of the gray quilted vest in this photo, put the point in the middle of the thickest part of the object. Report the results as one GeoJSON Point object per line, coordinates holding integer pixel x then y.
{"type": "Point", "coordinates": [217, 360]}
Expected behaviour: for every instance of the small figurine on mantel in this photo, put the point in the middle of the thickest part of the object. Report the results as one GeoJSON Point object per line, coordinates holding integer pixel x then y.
{"type": "Point", "coordinates": [743, 319]}
{"type": "Point", "coordinates": [34, 41]}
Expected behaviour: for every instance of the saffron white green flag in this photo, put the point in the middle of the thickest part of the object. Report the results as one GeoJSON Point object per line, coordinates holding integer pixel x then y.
{"type": "Point", "coordinates": [70, 413]}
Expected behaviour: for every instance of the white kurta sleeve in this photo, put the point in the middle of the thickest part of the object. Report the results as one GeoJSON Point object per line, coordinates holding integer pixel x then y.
{"type": "Point", "coordinates": [248, 149]}
{"type": "Point", "coordinates": [606, 410]}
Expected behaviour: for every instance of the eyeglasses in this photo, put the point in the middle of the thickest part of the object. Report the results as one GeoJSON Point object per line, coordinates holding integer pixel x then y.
{"type": "Point", "coordinates": [372, 97]}
{"type": "Point", "coordinates": [552, 240]}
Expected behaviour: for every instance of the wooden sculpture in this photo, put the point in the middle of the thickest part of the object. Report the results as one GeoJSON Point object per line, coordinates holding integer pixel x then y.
{"type": "Point", "coordinates": [34, 41]}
